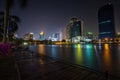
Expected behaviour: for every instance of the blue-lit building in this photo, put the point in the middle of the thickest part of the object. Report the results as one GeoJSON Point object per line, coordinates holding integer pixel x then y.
{"type": "Point", "coordinates": [106, 22]}
{"type": "Point", "coordinates": [41, 35]}
{"type": "Point", "coordinates": [76, 29]}
{"type": "Point", "coordinates": [56, 37]}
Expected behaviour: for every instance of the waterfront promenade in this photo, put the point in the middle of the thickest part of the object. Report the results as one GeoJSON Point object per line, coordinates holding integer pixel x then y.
{"type": "Point", "coordinates": [27, 65]}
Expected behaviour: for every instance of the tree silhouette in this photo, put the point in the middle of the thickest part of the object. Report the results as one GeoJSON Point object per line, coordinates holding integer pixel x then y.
{"type": "Point", "coordinates": [8, 5]}
{"type": "Point", "coordinates": [12, 25]}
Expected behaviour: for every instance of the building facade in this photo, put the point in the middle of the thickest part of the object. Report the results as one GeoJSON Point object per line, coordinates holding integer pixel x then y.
{"type": "Point", "coordinates": [68, 32]}
{"type": "Point", "coordinates": [56, 37]}
{"type": "Point", "coordinates": [63, 34]}
{"type": "Point", "coordinates": [41, 36]}
{"type": "Point", "coordinates": [74, 30]}
{"type": "Point", "coordinates": [106, 22]}
{"type": "Point", "coordinates": [28, 36]}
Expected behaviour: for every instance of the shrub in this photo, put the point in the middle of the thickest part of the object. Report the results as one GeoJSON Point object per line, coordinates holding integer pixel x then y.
{"type": "Point", "coordinates": [5, 49]}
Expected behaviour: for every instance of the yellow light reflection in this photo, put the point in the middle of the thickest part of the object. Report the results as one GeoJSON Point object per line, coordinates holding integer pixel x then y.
{"type": "Point", "coordinates": [106, 46]}
{"type": "Point", "coordinates": [79, 46]}
{"type": "Point", "coordinates": [107, 57]}
{"type": "Point", "coordinates": [119, 53]}
{"type": "Point", "coordinates": [119, 44]}
{"type": "Point", "coordinates": [79, 56]}
{"type": "Point", "coordinates": [41, 61]}
{"type": "Point", "coordinates": [41, 49]}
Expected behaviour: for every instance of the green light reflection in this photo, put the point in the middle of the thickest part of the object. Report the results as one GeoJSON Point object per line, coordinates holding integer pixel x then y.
{"type": "Point", "coordinates": [89, 56]}
{"type": "Point", "coordinates": [79, 55]}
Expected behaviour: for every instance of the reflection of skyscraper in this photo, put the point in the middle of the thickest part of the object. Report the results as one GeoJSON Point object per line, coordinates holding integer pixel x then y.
{"type": "Point", "coordinates": [106, 22]}
{"type": "Point", "coordinates": [41, 36]}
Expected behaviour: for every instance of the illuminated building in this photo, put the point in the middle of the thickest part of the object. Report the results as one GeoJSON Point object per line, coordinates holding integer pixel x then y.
{"type": "Point", "coordinates": [63, 34]}
{"type": "Point", "coordinates": [118, 34]}
{"type": "Point", "coordinates": [68, 33]}
{"type": "Point", "coordinates": [69, 28]}
{"type": "Point", "coordinates": [106, 22]}
{"type": "Point", "coordinates": [31, 35]}
{"type": "Point", "coordinates": [41, 35]}
{"type": "Point", "coordinates": [89, 37]}
{"type": "Point", "coordinates": [118, 37]}
{"type": "Point", "coordinates": [74, 30]}
{"type": "Point", "coordinates": [74, 19]}
{"type": "Point", "coordinates": [28, 36]}
{"type": "Point", "coordinates": [56, 37]}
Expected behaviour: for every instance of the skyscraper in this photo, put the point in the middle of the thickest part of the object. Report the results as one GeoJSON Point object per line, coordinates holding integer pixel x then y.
{"type": "Point", "coordinates": [106, 22]}
{"type": "Point", "coordinates": [56, 37]}
{"type": "Point", "coordinates": [74, 30]}
{"type": "Point", "coordinates": [41, 36]}
{"type": "Point", "coordinates": [68, 32]}
{"type": "Point", "coordinates": [28, 36]}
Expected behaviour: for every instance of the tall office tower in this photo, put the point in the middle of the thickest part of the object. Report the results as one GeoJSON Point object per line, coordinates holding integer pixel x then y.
{"type": "Point", "coordinates": [63, 34]}
{"type": "Point", "coordinates": [41, 36]}
{"type": "Point", "coordinates": [106, 22]}
{"type": "Point", "coordinates": [28, 36]}
{"type": "Point", "coordinates": [74, 19]}
{"type": "Point", "coordinates": [56, 37]}
{"type": "Point", "coordinates": [74, 30]}
{"type": "Point", "coordinates": [68, 32]}
{"type": "Point", "coordinates": [31, 35]}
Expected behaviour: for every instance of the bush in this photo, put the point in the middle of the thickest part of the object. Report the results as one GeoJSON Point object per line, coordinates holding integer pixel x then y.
{"type": "Point", "coordinates": [5, 49]}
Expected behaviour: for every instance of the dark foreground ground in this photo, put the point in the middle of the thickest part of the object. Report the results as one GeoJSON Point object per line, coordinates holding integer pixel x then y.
{"type": "Point", "coordinates": [26, 65]}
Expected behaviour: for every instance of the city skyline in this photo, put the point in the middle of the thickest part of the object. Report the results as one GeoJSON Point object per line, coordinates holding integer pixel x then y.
{"type": "Point", "coordinates": [52, 16]}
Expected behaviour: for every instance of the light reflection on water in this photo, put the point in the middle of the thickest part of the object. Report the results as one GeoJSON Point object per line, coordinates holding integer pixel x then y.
{"type": "Point", "coordinates": [95, 56]}
{"type": "Point", "coordinates": [107, 57]}
{"type": "Point", "coordinates": [53, 51]}
{"type": "Point", "coordinates": [89, 57]}
{"type": "Point", "coordinates": [78, 54]}
{"type": "Point", "coordinates": [41, 49]}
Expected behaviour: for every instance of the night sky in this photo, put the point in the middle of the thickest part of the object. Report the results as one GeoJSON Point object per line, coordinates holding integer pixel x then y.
{"type": "Point", "coordinates": [51, 16]}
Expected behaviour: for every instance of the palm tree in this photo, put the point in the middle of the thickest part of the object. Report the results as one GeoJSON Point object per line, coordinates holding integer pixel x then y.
{"type": "Point", "coordinates": [13, 25]}
{"type": "Point", "coordinates": [8, 5]}
{"type": "Point", "coordinates": [1, 24]}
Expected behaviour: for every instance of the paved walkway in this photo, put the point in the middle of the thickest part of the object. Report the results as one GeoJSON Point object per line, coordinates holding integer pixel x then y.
{"type": "Point", "coordinates": [32, 66]}
{"type": "Point", "coordinates": [8, 70]}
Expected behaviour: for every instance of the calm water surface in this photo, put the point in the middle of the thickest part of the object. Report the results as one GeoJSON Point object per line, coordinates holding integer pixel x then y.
{"type": "Point", "coordinates": [100, 57]}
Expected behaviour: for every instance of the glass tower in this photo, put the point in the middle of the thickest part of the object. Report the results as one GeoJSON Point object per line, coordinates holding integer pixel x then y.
{"type": "Point", "coordinates": [106, 22]}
